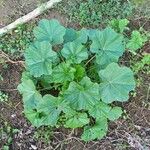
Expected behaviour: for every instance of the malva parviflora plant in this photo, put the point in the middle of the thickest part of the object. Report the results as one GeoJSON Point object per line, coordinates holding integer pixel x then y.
{"type": "Point", "coordinates": [58, 80]}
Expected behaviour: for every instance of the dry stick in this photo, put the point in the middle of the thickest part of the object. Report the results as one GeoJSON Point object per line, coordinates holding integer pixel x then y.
{"type": "Point", "coordinates": [5, 56]}
{"type": "Point", "coordinates": [29, 16]}
{"type": "Point", "coordinates": [90, 60]}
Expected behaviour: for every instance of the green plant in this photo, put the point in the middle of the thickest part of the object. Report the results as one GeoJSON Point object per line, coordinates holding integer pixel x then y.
{"type": "Point", "coordinates": [15, 42]}
{"type": "Point", "coordinates": [119, 25]}
{"type": "Point", "coordinates": [43, 134]}
{"type": "Point", "coordinates": [3, 63]}
{"type": "Point", "coordinates": [95, 13]}
{"type": "Point", "coordinates": [58, 82]}
{"type": "Point", "coordinates": [6, 134]}
{"type": "Point", "coordinates": [143, 64]}
{"type": "Point", "coordinates": [136, 41]}
{"type": "Point", "coordinates": [3, 97]}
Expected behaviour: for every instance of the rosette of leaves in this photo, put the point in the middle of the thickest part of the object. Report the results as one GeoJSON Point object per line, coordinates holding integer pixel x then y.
{"type": "Point", "coordinates": [57, 81]}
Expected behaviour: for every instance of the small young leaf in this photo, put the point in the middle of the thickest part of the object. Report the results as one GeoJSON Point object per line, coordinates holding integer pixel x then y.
{"type": "Point", "coordinates": [50, 30]}
{"type": "Point", "coordinates": [26, 76]}
{"type": "Point", "coordinates": [116, 83]}
{"type": "Point", "coordinates": [63, 72]}
{"type": "Point", "coordinates": [77, 120]}
{"type": "Point", "coordinates": [107, 45]}
{"type": "Point", "coordinates": [137, 41]}
{"type": "Point", "coordinates": [98, 131]}
{"type": "Point", "coordinates": [74, 52]}
{"type": "Point", "coordinates": [39, 57]}
{"type": "Point", "coordinates": [83, 95]}
{"type": "Point", "coordinates": [119, 24]}
{"type": "Point", "coordinates": [80, 72]}
{"type": "Point", "coordinates": [115, 113]}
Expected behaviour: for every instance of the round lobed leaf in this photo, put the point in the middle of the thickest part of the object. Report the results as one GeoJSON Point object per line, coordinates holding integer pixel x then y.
{"type": "Point", "coordinates": [63, 72]}
{"type": "Point", "coordinates": [39, 57]}
{"type": "Point", "coordinates": [50, 30]}
{"type": "Point", "coordinates": [49, 106]}
{"type": "Point", "coordinates": [116, 83]}
{"type": "Point", "coordinates": [107, 45]}
{"type": "Point", "coordinates": [98, 131]}
{"type": "Point", "coordinates": [74, 52]}
{"type": "Point", "coordinates": [104, 110]}
{"type": "Point", "coordinates": [77, 120]}
{"type": "Point", "coordinates": [81, 95]}
{"type": "Point", "coordinates": [31, 97]}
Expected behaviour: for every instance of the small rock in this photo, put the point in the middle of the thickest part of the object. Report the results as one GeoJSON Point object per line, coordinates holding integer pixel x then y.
{"type": "Point", "coordinates": [13, 115]}
{"type": "Point", "coordinates": [34, 147]}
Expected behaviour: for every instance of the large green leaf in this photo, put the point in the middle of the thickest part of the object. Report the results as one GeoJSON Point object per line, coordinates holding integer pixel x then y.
{"type": "Point", "coordinates": [104, 110]}
{"type": "Point", "coordinates": [76, 36]}
{"type": "Point", "coordinates": [83, 95]}
{"type": "Point", "coordinates": [31, 97]}
{"type": "Point", "coordinates": [98, 131]}
{"type": "Point", "coordinates": [116, 83]}
{"type": "Point", "coordinates": [70, 35]}
{"type": "Point", "coordinates": [77, 120]}
{"type": "Point", "coordinates": [50, 108]}
{"type": "Point", "coordinates": [39, 57]}
{"type": "Point", "coordinates": [36, 118]}
{"type": "Point", "coordinates": [50, 30]}
{"type": "Point", "coordinates": [47, 111]}
{"type": "Point", "coordinates": [107, 45]}
{"type": "Point", "coordinates": [63, 72]}
{"type": "Point", "coordinates": [82, 36]}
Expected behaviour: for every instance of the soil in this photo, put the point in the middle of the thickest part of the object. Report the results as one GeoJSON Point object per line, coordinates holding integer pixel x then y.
{"type": "Point", "coordinates": [131, 132]}
{"type": "Point", "coordinates": [10, 10]}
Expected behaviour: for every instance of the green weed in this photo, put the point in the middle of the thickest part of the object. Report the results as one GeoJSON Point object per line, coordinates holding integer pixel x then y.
{"type": "Point", "coordinates": [6, 135]}
{"type": "Point", "coordinates": [142, 65]}
{"type": "Point", "coordinates": [95, 13]}
{"type": "Point", "coordinates": [15, 42]}
{"type": "Point", "coordinates": [3, 97]}
{"type": "Point", "coordinates": [43, 134]}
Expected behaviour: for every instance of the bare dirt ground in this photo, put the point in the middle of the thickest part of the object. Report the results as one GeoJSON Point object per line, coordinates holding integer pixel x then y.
{"type": "Point", "coordinates": [10, 10]}
{"type": "Point", "coordinates": [131, 132]}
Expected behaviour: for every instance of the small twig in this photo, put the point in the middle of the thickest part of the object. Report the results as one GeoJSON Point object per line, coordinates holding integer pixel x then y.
{"type": "Point", "coordinates": [71, 133]}
{"type": "Point", "coordinates": [90, 60]}
{"type": "Point", "coordinates": [5, 56]}
{"type": "Point", "coordinates": [8, 90]}
{"type": "Point", "coordinates": [29, 16]}
{"type": "Point", "coordinates": [17, 105]}
{"type": "Point", "coordinates": [148, 91]}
